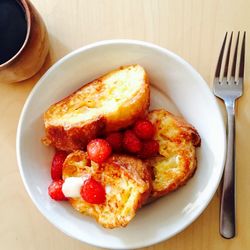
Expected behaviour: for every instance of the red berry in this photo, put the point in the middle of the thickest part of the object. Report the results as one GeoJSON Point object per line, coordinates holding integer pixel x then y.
{"type": "Point", "coordinates": [131, 142]}
{"type": "Point", "coordinates": [115, 140]}
{"type": "Point", "coordinates": [55, 191]}
{"type": "Point", "coordinates": [99, 150]}
{"type": "Point", "coordinates": [149, 149]}
{"type": "Point", "coordinates": [144, 129]}
{"type": "Point", "coordinates": [57, 164]}
{"type": "Point", "coordinates": [93, 192]}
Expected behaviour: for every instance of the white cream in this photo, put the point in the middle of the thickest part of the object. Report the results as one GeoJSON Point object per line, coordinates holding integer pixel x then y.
{"type": "Point", "coordinates": [72, 186]}
{"type": "Point", "coordinates": [108, 189]}
{"type": "Point", "coordinates": [177, 159]}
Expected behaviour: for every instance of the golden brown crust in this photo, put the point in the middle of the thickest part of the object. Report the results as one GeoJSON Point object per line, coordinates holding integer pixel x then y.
{"type": "Point", "coordinates": [187, 130]}
{"type": "Point", "coordinates": [177, 161]}
{"type": "Point", "coordinates": [74, 138]}
{"type": "Point", "coordinates": [127, 178]}
{"type": "Point", "coordinates": [65, 132]}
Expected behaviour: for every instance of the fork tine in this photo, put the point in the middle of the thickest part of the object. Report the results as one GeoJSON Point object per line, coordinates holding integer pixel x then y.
{"type": "Point", "coordinates": [218, 67]}
{"type": "Point", "coordinates": [242, 57]}
{"type": "Point", "coordinates": [233, 72]}
{"type": "Point", "coordinates": [228, 56]}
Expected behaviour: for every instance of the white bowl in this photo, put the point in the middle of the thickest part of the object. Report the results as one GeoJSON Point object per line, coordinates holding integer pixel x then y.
{"type": "Point", "coordinates": [177, 87]}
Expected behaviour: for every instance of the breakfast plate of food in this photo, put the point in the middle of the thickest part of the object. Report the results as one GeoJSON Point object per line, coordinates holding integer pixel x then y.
{"type": "Point", "coordinates": [121, 144]}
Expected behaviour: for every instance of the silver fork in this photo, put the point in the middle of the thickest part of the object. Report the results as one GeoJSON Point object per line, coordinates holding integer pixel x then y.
{"type": "Point", "coordinates": [229, 87]}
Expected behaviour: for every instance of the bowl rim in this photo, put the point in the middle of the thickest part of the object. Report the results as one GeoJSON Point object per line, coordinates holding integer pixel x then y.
{"type": "Point", "coordinates": [149, 45]}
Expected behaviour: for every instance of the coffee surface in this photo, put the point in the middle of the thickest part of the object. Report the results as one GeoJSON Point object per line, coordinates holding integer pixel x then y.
{"type": "Point", "coordinates": [13, 29]}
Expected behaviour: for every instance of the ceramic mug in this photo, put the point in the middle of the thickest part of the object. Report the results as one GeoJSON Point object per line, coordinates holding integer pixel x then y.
{"type": "Point", "coordinates": [32, 54]}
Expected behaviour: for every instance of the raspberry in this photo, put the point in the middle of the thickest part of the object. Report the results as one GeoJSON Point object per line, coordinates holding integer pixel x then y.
{"type": "Point", "coordinates": [144, 129]}
{"type": "Point", "coordinates": [149, 149]}
{"type": "Point", "coordinates": [93, 192]}
{"type": "Point", "coordinates": [131, 143]}
{"type": "Point", "coordinates": [115, 140]}
{"type": "Point", "coordinates": [57, 164]}
{"type": "Point", "coordinates": [55, 191]}
{"type": "Point", "coordinates": [99, 150]}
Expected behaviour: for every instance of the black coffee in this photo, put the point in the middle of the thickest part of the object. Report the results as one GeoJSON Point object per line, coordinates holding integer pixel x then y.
{"type": "Point", "coordinates": [13, 28]}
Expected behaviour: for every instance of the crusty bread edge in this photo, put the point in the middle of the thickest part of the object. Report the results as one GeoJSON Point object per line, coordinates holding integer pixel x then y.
{"type": "Point", "coordinates": [196, 140]}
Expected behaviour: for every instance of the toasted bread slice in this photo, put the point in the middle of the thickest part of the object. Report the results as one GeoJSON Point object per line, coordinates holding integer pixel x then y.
{"type": "Point", "coordinates": [109, 103]}
{"type": "Point", "coordinates": [177, 161]}
{"type": "Point", "coordinates": [126, 179]}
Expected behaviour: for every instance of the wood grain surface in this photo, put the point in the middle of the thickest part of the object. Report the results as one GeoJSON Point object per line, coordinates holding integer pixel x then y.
{"type": "Point", "coordinates": [194, 29]}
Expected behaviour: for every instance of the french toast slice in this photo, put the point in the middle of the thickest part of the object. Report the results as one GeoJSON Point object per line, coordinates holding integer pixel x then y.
{"type": "Point", "coordinates": [177, 148]}
{"type": "Point", "coordinates": [127, 182]}
{"type": "Point", "coordinates": [109, 103]}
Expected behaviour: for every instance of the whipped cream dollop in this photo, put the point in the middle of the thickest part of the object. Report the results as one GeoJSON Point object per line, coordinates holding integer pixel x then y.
{"type": "Point", "coordinates": [72, 186]}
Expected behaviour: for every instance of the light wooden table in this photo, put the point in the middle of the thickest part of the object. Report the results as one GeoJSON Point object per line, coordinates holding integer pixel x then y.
{"type": "Point", "coordinates": [194, 29]}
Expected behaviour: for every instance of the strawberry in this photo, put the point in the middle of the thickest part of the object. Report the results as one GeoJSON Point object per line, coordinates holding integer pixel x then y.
{"type": "Point", "coordinates": [131, 142]}
{"type": "Point", "coordinates": [149, 149]}
{"type": "Point", "coordinates": [55, 191]}
{"type": "Point", "coordinates": [93, 192]}
{"type": "Point", "coordinates": [99, 150]}
{"type": "Point", "coordinates": [144, 129]}
{"type": "Point", "coordinates": [57, 164]}
{"type": "Point", "coordinates": [115, 141]}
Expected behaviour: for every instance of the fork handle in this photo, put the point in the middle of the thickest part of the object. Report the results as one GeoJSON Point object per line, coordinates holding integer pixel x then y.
{"type": "Point", "coordinates": [227, 209]}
